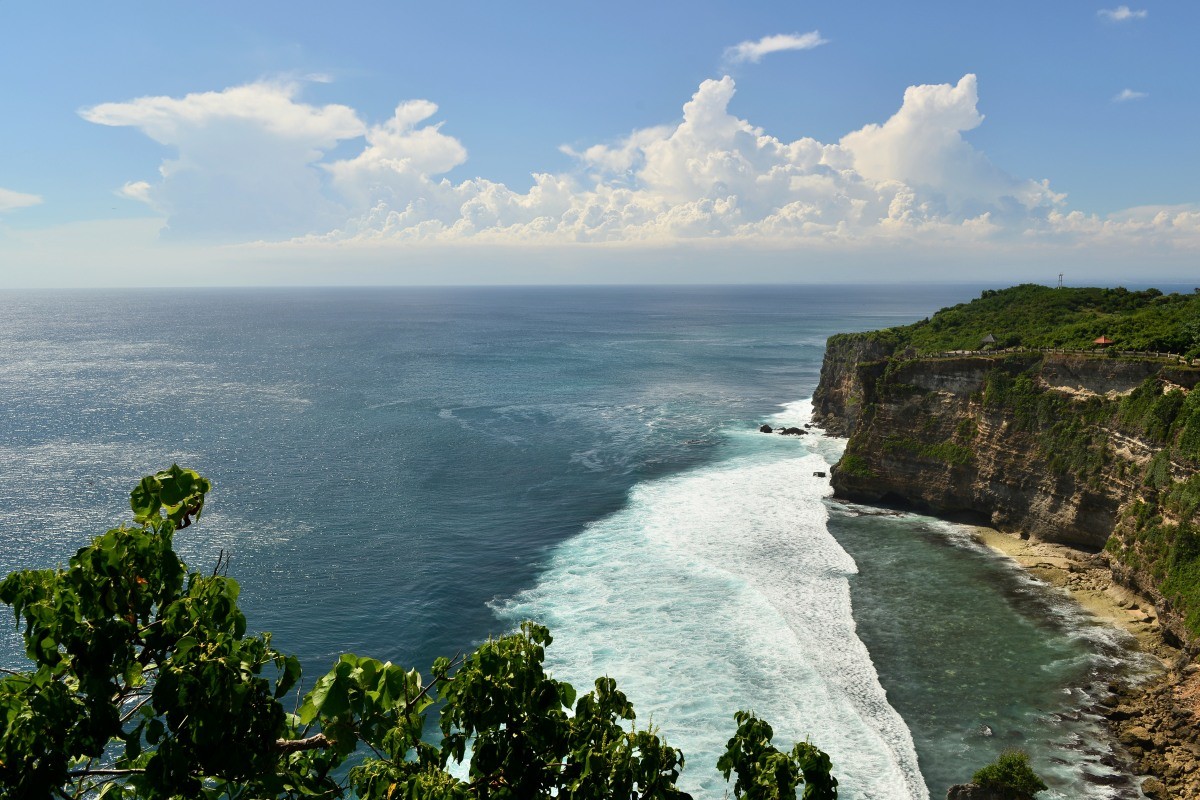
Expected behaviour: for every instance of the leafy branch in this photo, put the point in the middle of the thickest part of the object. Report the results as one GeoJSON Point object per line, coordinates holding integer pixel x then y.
{"type": "Point", "coordinates": [145, 684]}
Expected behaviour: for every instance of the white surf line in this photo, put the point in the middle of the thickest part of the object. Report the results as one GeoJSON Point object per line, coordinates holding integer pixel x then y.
{"type": "Point", "coordinates": [721, 589]}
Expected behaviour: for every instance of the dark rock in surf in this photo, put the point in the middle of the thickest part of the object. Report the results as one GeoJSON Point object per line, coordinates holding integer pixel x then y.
{"type": "Point", "coordinates": [971, 791]}
{"type": "Point", "coordinates": [766, 429]}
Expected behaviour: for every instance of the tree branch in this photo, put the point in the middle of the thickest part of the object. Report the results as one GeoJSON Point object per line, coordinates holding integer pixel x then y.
{"type": "Point", "coordinates": [83, 773]}
{"type": "Point", "coordinates": [79, 786]}
{"type": "Point", "coordinates": [129, 714]}
{"type": "Point", "coordinates": [454, 662]}
{"type": "Point", "coordinates": [318, 742]}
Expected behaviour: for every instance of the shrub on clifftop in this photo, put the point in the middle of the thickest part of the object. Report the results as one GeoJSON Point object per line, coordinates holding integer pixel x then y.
{"type": "Point", "coordinates": [1040, 316]}
{"type": "Point", "coordinates": [1010, 777]}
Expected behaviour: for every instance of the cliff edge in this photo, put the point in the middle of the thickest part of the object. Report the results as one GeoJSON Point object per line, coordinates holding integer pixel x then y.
{"type": "Point", "coordinates": [1068, 416]}
{"type": "Point", "coordinates": [1094, 448]}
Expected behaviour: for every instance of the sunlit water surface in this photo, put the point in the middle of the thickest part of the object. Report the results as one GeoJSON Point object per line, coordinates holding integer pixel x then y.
{"type": "Point", "coordinates": [403, 472]}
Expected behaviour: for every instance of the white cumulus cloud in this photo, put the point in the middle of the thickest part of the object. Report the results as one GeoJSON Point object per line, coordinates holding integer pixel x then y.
{"type": "Point", "coordinates": [245, 158]}
{"type": "Point", "coordinates": [10, 200]}
{"type": "Point", "coordinates": [922, 146]}
{"type": "Point", "coordinates": [753, 51]}
{"type": "Point", "coordinates": [1125, 95]}
{"type": "Point", "coordinates": [271, 106]}
{"type": "Point", "coordinates": [255, 163]}
{"type": "Point", "coordinates": [714, 175]}
{"type": "Point", "coordinates": [1122, 14]}
{"type": "Point", "coordinates": [141, 191]}
{"type": "Point", "coordinates": [1144, 229]}
{"type": "Point", "coordinates": [399, 158]}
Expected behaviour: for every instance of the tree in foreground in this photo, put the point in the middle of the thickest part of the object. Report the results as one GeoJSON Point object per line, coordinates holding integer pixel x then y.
{"type": "Point", "coordinates": [145, 684]}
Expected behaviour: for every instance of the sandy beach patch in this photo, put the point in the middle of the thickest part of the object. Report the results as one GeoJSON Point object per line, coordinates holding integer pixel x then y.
{"type": "Point", "coordinates": [1157, 722]}
{"type": "Point", "coordinates": [1089, 582]}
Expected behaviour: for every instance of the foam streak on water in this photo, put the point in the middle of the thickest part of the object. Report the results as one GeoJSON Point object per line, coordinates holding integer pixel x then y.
{"type": "Point", "coordinates": [721, 589]}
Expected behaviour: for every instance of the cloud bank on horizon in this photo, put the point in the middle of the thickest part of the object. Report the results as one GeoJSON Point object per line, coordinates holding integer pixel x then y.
{"type": "Point", "coordinates": [256, 163]}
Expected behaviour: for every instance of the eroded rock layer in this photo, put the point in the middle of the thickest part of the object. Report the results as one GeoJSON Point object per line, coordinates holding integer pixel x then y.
{"type": "Point", "coordinates": [1096, 452]}
{"type": "Point", "coordinates": [1076, 449]}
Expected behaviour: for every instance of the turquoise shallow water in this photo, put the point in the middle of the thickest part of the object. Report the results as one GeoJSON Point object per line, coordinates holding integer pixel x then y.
{"type": "Point", "coordinates": [1016, 666]}
{"type": "Point", "coordinates": [404, 472]}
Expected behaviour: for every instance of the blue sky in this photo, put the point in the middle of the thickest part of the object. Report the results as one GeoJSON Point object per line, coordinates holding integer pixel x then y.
{"type": "Point", "coordinates": [270, 142]}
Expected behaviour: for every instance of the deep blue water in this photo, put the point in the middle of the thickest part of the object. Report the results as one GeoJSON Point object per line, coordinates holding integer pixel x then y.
{"type": "Point", "coordinates": [402, 472]}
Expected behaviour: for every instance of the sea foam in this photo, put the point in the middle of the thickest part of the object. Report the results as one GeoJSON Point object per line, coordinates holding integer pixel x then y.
{"type": "Point", "coordinates": [722, 589]}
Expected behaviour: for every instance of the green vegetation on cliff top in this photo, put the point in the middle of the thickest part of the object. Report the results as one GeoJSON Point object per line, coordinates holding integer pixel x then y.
{"type": "Point", "coordinates": [1039, 316]}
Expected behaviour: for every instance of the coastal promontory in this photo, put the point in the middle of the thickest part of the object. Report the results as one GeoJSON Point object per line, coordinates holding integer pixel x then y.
{"type": "Point", "coordinates": [1061, 415]}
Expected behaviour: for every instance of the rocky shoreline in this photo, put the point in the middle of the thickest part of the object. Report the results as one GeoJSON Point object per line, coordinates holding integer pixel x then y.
{"type": "Point", "coordinates": [1157, 722]}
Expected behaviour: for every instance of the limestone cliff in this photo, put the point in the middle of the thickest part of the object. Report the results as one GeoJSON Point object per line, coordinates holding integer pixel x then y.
{"type": "Point", "coordinates": [1085, 450]}
{"type": "Point", "coordinates": [846, 377]}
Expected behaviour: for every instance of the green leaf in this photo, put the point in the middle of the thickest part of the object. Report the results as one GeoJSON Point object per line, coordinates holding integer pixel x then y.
{"type": "Point", "coordinates": [307, 711]}
{"type": "Point", "coordinates": [566, 694]}
{"type": "Point", "coordinates": [111, 791]}
{"type": "Point", "coordinates": [329, 697]}
{"type": "Point", "coordinates": [133, 674]}
{"type": "Point", "coordinates": [289, 673]}
{"type": "Point", "coordinates": [183, 646]}
{"type": "Point", "coordinates": [133, 742]}
{"type": "Point", "coordinates": [145, 499]}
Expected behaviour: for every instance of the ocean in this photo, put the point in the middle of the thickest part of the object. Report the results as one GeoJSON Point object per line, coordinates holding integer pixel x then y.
{"type": "Point", "coordinates": [404, 472]}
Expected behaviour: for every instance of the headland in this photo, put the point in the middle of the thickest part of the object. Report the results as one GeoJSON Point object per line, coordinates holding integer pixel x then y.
{"type": "Point", "coordinates": [1066, 422]}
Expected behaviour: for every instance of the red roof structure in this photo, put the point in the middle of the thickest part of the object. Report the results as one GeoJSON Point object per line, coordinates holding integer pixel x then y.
{"type": "Point", "coordinates": [1103, 341]}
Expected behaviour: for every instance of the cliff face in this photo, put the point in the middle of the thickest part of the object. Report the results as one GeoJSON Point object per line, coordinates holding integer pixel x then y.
{"type": "Point", "coordinates": [932, 442]}
{"type": "Point", "coordinates": [1048, 446]}
{"type": "Point", "coordinates": [845, 379]}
